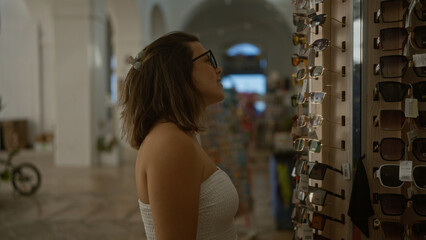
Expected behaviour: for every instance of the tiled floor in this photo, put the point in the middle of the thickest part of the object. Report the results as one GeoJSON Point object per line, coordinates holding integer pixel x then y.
{"type": "Point", "coordinates": [101, 203]}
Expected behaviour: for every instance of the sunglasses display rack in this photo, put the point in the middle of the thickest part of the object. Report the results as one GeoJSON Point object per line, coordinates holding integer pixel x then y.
{"type": "Point", "coordinates": [395, 145]}
{"type": "Point", "coordinates": [322, 130]}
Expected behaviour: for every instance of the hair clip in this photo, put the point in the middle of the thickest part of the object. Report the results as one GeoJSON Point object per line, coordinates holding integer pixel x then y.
{"type": "Point", "coordinates": [135, 61]}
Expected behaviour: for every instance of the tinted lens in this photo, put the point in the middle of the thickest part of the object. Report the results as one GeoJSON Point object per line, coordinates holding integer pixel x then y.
{"type": "Point", "coordinates": [419, 204]}
{"type": "Point", "coordinates": [392, 119]}
{"type": "Point", "coordinates": [296, 60]}
{"type": "Point", "coordinates": [420, 36]}
{"type": "Point", "coordinates": [393, 10]}
{"type": "Point", "coordinates": [315, 145]}
{"type": "Point", "coordinates": [301, 74]}
{"type": "Point", "coordinates": [420, 71]}
{"type": "Point", "coordinates": [392, 91]}
{"type": "Point", "coordinates": [317, 196]}
{"type": "Point", "coordinates": [419, 91]}
{"type": "Point", "coordinates": [421, 119]}
{"type": "Point", "coordinates": [419, 175]}
{"type": "Point", "coordinates": [393, 66]}
{"type": "Point", "coordinates": [300, 26]}
{"type": "Point", "coordinates": [321, 44]}
{"type": "Point", "coordinates": [419, 231]}
{"type": "Point", "coordinates": [389, 176]}
{"type": "Point", "coordinates": [419, 149]}
{"type": "Point", "coordinates": [316, 120]}
{"type": "Point", "coordinates": [301, 121]}
{"type": "Point", "coordinates": [317, 171]}
{"type": "Point", "coordinates": [299, 144]}
{"type": "Point", "coordinates": [393, 38]}
{"type": "Point", "coordinates": [421, 12]}
{"type": "Point", "coordinates": [317, 97]}
{"type": "Point", "coordinates": [392, 204]}
{"type": "Point", "coordinates": [318, 221]}
{"type": "Point", "coordinates": [316, 71]}
{"type": "Point", "coordinates": [318, 20]}
{"type": "Point", "coordinates": [294, 101]}
{"type": "Point", "coordinates": [393, 230]}
{"type": "Point", "coordinates": [392, 149]}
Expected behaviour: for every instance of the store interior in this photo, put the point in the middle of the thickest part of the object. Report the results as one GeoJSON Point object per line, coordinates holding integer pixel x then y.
{"type": "Point", "coordinates": [322, 129]}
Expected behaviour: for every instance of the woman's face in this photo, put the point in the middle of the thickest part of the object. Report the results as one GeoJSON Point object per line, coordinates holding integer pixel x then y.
{"type": "Point", "coordinates": [206, 78]}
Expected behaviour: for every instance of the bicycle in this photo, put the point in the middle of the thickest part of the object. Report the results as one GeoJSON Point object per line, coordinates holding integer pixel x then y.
{"type": "Point", "coordinates": [25, 177]}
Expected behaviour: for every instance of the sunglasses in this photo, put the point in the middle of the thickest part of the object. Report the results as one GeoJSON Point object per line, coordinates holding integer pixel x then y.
{"type": "Point", "coordinates": [396, 230]}
{"type": "Point", "coordinates": [394, 120]}
{"type": "Point", "coordinates": [393, 149]}
{"type": "Point", "coordinates": [395, 66]}
{"type": "Point", "coordinates": [303, 21]}
{"type": "Point", "coordinates": [295, 102]}
{"type": "Point", "coordinates": [396, 11]}
{"type": "Point", "coordinates": [313, 72]}
{"type": "Point", "coordinates": [317, 170]}
{"type": "Point", "coordinates": [299, 38]}
{"type": "Point", "coordinates": [396, 91]}
{"type": "Point", "coordinates": [211, 58]}
{"type": "Point", "coordinates": [317, 196]}
{"type": "Point", "coordinates": [395, 204]}
{"type": "Point", "coordinates": [388, 174]}
{"type": "Point", "coordinates": [298, 59]}
{"type": "Point", "coordinates": [302, 4]}
{"type": "Point", "coordinates": [396, 38]}
{"type": "Point", "coordinates": [312, 97]}
{"type": "Point", "coordinates": [319, 219]}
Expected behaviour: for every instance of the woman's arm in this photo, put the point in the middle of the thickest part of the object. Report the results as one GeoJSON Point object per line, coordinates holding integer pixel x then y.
{"type": "Point", "coordinates": [174, 177]}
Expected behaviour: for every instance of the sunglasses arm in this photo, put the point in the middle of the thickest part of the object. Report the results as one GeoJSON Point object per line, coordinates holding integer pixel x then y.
{"type": "Point", "coordinates": [342, 220]}
{"type": "Point", "coordinates": [341, 196]}
{"type": "Point", "coordinates": [335, 169]}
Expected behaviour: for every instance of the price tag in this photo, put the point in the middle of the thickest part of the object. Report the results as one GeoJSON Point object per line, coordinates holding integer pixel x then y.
{"type": "Point", "coordinates": [346, 167]}
{"type": "Point", "coordinates": [419, 60]}
{"type": "Point", "coordinates": [304, 183]}
{"type": "Point", "coordinates": [294, 199]}
{"type": "Point", "coordinates": [307, 233]}
{"type": "Point", "coordinates": [412, 135]}
{"type": "Point", "coordinates": [411, 108]}
{"type": "Point", "coordinates": [405, 171]}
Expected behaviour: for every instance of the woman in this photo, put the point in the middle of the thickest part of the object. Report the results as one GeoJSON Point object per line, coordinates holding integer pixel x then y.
{"type": "Point", "coordinates": [182, 194]}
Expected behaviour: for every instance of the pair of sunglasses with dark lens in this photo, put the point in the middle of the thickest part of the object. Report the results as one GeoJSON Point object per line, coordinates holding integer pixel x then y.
{"type": "Point", "coordinates": [396, 38]}
{"type": "Point", "coordinates": [395, 120]}
{"type": "Point", "coordinates": [393, 149]}
{"type": "Point", "coordinates": [302, 214]}
{"type": "Point", "coordinates": [396, 91]}
{"type": "Point", "coordinates": [314, 170]}
{"type": "Point", "coordinates": [317, 196]}
{"type": "Point", "coordinates": [395, 204]}
{"type": "Point", "coordinates": [397, 230]}
{"type": "Point", "coordinates": [388, 175]}
{"type": "Point", "coordinates": [397, 10]}
{"type": "Point", "coordinates": [395, 66]}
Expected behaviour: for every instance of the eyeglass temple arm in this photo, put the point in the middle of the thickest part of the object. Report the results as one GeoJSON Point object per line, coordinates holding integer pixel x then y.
{"type": "Point", "coordinates": [341, 196]}
{"type": "Point", "coordinates": [341, 220]}
{"type": "Point", "coordinates": [334, 169]}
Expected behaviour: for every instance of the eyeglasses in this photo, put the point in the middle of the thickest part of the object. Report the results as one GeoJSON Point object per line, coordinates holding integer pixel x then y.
{"type": "Point", "coordinates": [302, 4]}
{"type": "Point", "coordinates": [393, 149]}
{"type": "Point", "coordinates": [395, 204]}
{"type": "Point", "coordinates": [211, 59]}
{"type": "Point", "coordinates": [312, 97]}
{"type": "Point", "coordinates": [395, 66]}
{"type": "Point", "coordinates": [395, 91]}
{"type": "Point", "coordinates": [396, 38]}
{"type": "Point", "coordinates": [388, 174]}
{"type": "Point", "coordinates": [313, 72]}
{"type": "Point", "coordinates": [311, 120]}
{"type": "Point", "coordinates": [314, 145]}
{"type": "Point", "coordinates": [298, 59]}
{"type": "Point", "coordinates": [396, 230]}
{"type": "Point", "coordinates": [394, 120]}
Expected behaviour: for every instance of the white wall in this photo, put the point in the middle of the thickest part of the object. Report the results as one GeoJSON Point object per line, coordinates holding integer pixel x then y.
{"type": "Point", "coordinates": [19, 66]}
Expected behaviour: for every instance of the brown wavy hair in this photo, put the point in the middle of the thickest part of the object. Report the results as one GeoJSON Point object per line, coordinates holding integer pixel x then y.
{"type": "Point", "coordinates": [162, 88]}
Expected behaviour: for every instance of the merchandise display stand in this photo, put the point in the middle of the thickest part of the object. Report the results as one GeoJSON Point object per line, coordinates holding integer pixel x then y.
{"type": "Point", "coordinates": [335, 132]}
{"type": "Point", "coordinates": [376, 153]}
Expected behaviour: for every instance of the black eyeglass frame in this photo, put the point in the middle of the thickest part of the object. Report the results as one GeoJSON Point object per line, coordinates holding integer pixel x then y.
{"type": "Point", "coordinates": [212, 59]}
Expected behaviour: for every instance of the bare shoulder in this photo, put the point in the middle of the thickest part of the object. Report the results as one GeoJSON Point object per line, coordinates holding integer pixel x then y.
{"type": "Point", "coordinates": [169, 148]}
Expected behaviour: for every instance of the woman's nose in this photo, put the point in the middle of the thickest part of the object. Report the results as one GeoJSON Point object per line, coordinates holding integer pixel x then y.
{"type": "Point", "coordinates": [219, 70]}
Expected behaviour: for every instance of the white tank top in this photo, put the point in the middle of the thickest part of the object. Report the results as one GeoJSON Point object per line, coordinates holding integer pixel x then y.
{"type": "Point", "coordinates": [217, 208]}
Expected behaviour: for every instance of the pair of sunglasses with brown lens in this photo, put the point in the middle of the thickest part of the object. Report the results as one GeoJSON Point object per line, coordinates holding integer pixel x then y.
{"type": "Point", "coordinates": [395, 66]}
{"type": "Point", "coordinates": [397, 230]}
{"type": "Point", "coordinates": [396, 38]}
{"type": "Point", "coordinates": [395, 120]}
{"type": "Point", "coordinates": [396, 91]}
{"type": "Point", "coordinates": [396, 11]}
{"type": "Point", "coordinates": [299, 59]}
{"type": "Point", "coordinates": [393, 149]}
{"type": "Point", "coordinates": [395, 204]}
